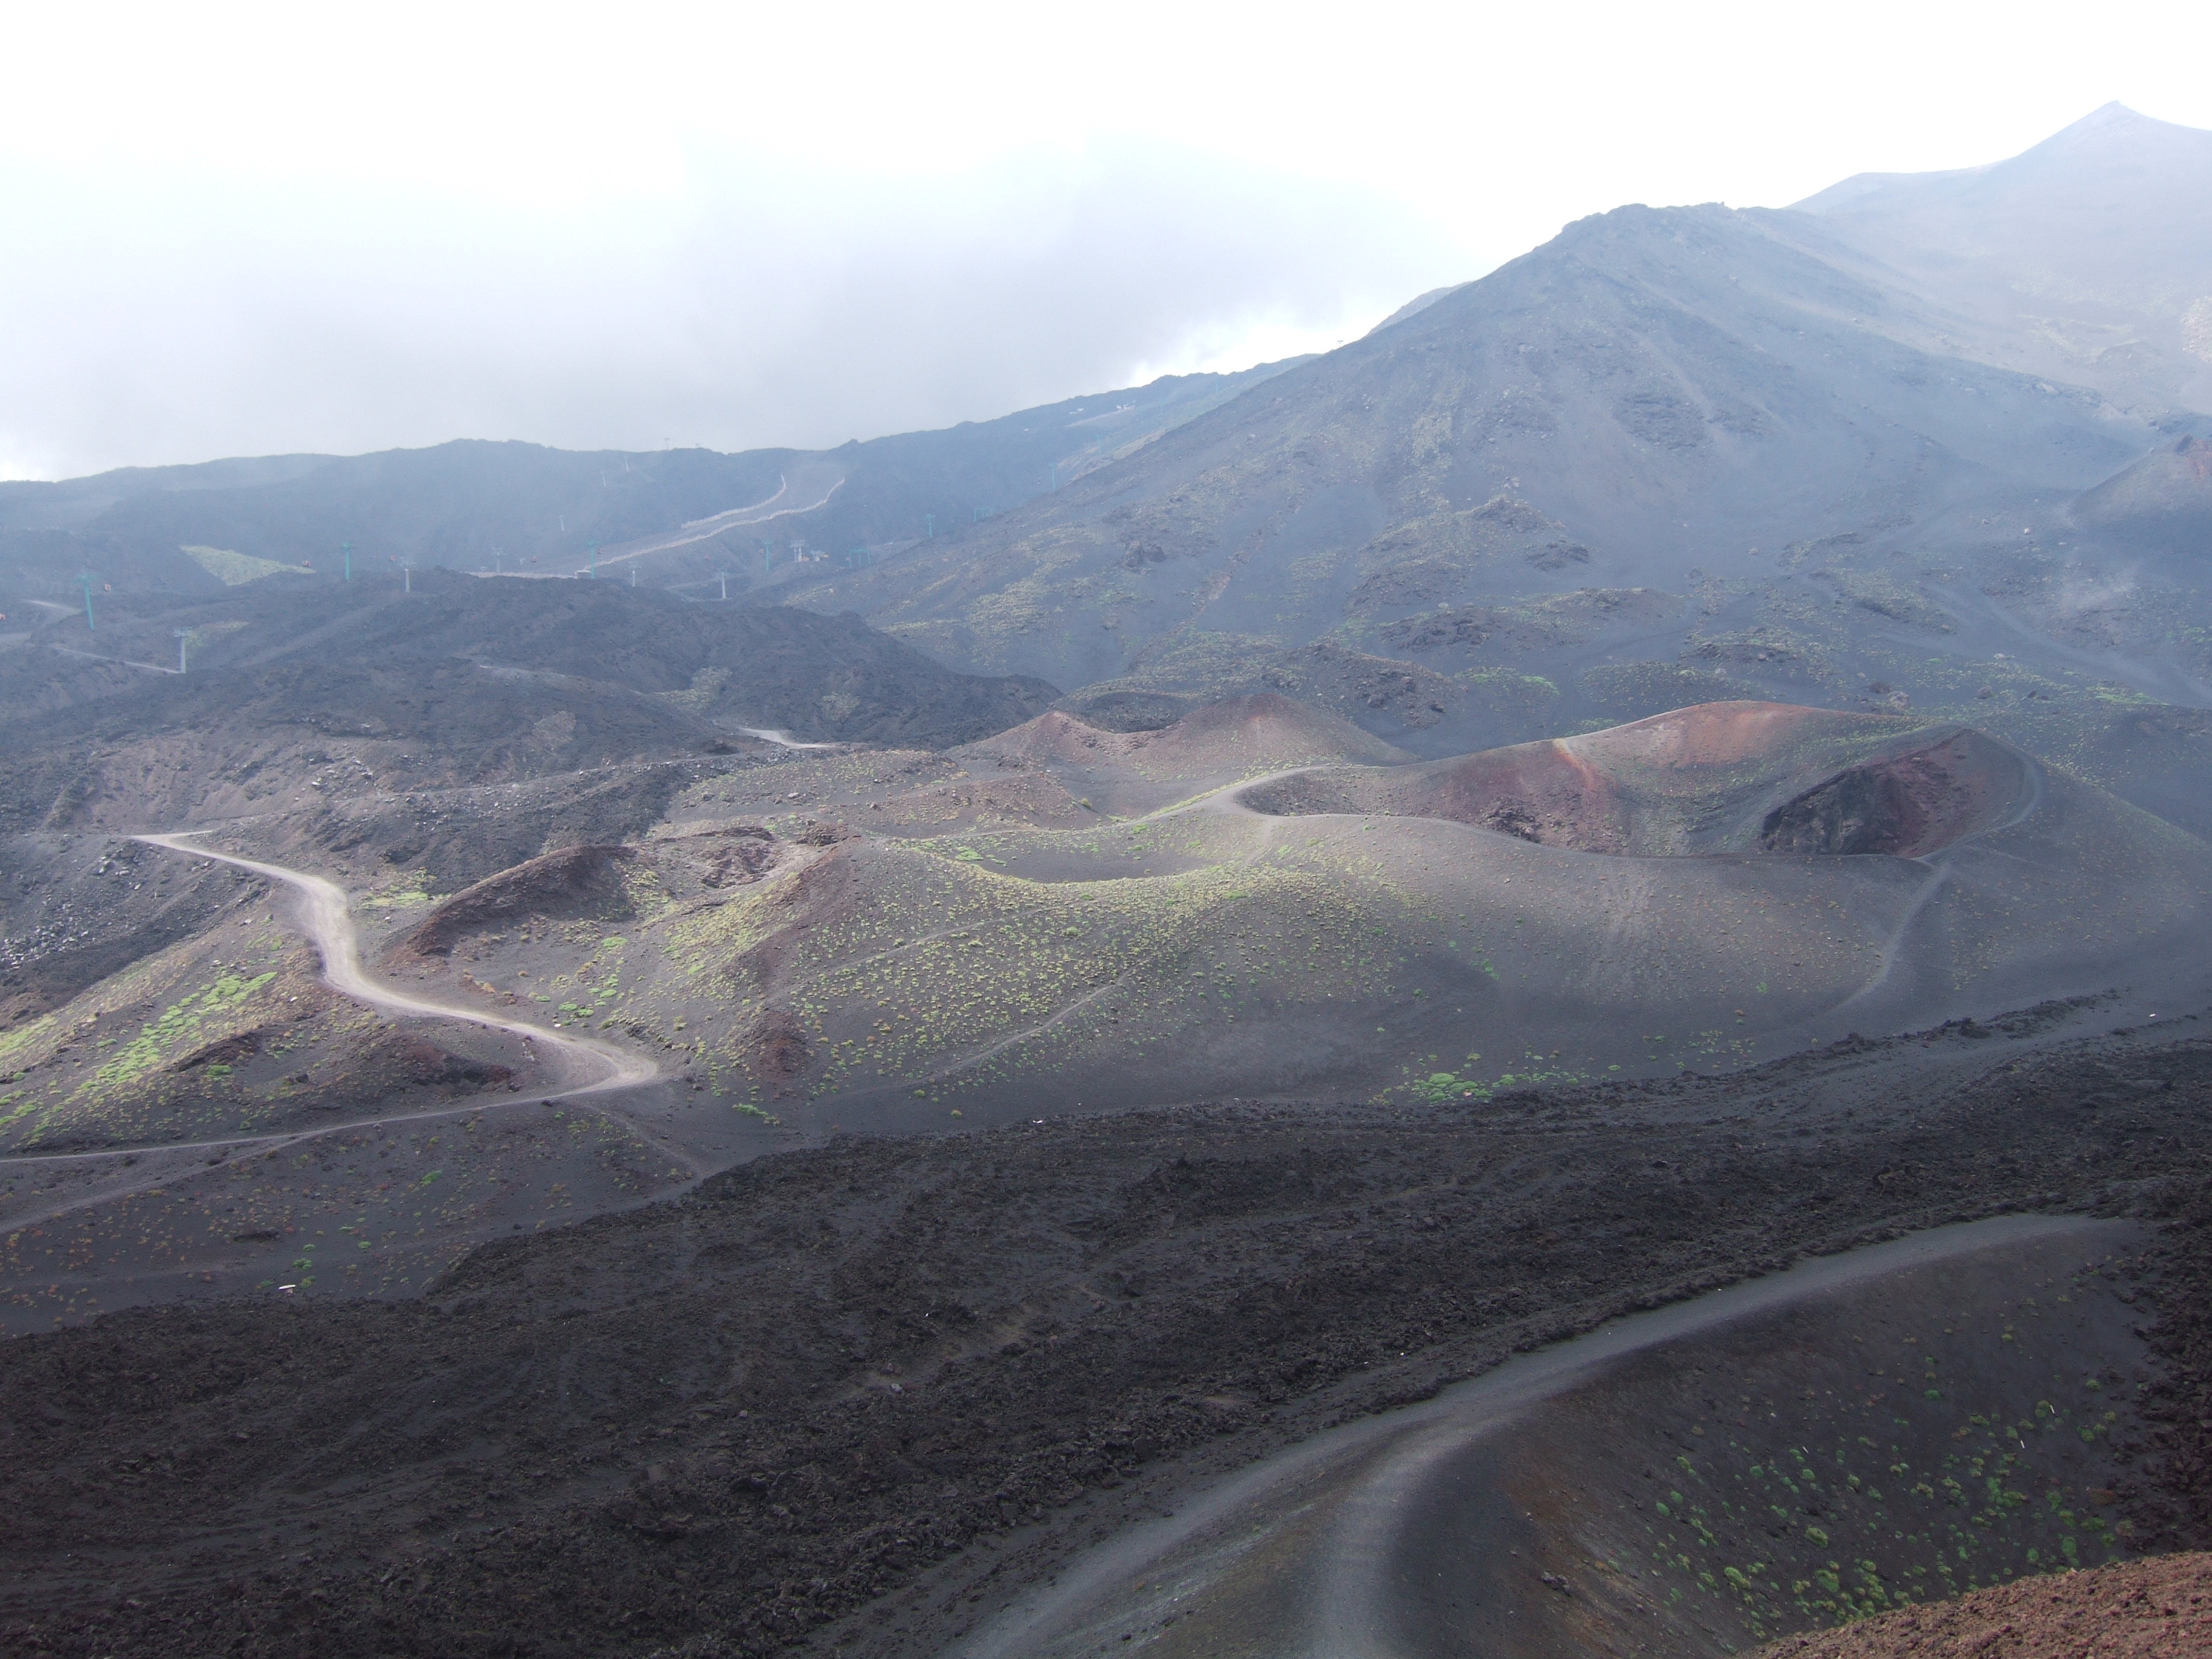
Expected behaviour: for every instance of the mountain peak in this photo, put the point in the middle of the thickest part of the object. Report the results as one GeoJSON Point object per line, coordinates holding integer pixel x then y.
{"type": "Point", "coordinates": [2082, 155]}
{"type": "Point", "coordinates": [2112, 136]}
{"type": "Point", "coordinates": [2110, 119]}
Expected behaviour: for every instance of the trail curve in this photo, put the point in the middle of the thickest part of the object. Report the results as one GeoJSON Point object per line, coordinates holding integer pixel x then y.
{"type": "Point", "coordinates": [1321, 1550]}
{"type": "Point", "coordinates": [329, 922]}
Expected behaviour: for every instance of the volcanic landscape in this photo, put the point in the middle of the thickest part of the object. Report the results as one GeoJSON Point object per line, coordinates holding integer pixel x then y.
{"type": "Point", "coordinates": [1326, 1037]}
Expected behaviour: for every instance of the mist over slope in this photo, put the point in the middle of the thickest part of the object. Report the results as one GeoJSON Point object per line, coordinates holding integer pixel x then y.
{"type": "Point", "coordinates": [1677, 455]}
{"type": "Point", "coordinates": [476, 505]}
{"type": "Point", "coordinates": [1653, 393]}
{"type": "Point", "coordinates": [2087, 258]}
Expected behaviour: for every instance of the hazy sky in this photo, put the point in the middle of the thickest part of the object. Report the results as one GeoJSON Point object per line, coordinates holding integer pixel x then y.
{"type": "Point", "coordinates": [243, 230]}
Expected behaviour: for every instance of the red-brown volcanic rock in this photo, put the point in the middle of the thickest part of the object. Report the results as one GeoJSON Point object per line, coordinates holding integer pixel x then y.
{"type": "Point", "coordinates": [1238, 735]}
{"type": "Point", "coordinates": [2161, 1608]}
{"type": "Point", "coordinates": [1719, 777]}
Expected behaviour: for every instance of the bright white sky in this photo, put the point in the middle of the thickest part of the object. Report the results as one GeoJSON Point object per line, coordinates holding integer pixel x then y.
{"type": "Point", "coordinates": [241, 230]}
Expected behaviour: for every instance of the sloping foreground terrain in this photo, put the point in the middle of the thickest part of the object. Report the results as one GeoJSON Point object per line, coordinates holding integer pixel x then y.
{"type": "Point", "coordinates": [2157, 1609]}
{"type": "Point", "coordinates": [866, 1395]}
{"type": "Point", "coordinates": [1813, 1446]}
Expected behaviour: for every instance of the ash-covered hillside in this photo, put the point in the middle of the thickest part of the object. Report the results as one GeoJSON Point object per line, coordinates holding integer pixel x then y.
{"type": "Point", "coordinates": [1673, 455]}
{"type": "Point", "coordinates": [2083, 258]}
{"type": "Point", "coordinates": [707, 522]}
{"type": "Point", "coordinates": [293, 683]}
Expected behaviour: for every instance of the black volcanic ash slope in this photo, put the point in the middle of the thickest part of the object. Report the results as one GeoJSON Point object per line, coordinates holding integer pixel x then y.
{"type": "Point", "coordinates": [1640, 403]}
{"type": "Point", "coordinates": [541, 509]}
{"type": "Point", "coordinates": [715, 1426]}
{"type": "Point", "coordinates": [1685, 456]}
{"type": "Point", "coordinates": [463, 681]}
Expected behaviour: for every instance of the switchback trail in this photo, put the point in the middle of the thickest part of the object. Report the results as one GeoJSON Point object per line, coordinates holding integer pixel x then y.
{"type": "Point", "coordinates": [329, 922]}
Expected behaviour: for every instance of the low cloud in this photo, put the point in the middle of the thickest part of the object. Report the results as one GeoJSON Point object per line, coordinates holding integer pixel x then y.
{"type": "Point", "coordinates": [730, 306]}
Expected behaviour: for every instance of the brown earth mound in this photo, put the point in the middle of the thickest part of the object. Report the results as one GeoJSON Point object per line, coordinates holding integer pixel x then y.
{"type": "Point", "coordinates": [1725, 733]}
{"type": "Point", "coordinates": [1053, 736]}
{"type": "Point", "coordinates": [1130, 711]}
{"type": "Point", "coordinates": [428, 1066]}
{"type": "Point", "coordinates": [734, 856]}
{"type": "Point", "coordinates": [2156, 1609]}
{"type": "Point", "coordinates": [1237, 735]}
{"type": "Point", "coordinates": [1727, 776]}
{"type": "Point", "coordinates": [1537, 791]}
{"type": "Point", "coordinates": [225, 1051]}
{"type": "Point", "coordinates": [558, 883]}
{"type": "Point", "coordinates": [1263, 730]}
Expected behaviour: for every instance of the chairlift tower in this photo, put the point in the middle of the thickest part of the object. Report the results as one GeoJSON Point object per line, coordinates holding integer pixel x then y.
{"type": "Point", "coordinates": [407, 575]}
{"type": "Point", "coordinates": [184, 637]}
{"type": "Point", "coordinates": [724, 576]}
{"type": "Point", "coordinates": [346, 548]}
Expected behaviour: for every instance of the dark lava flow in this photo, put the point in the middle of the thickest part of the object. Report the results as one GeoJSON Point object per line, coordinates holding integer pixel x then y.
{"type": "Point", "coordinates": [866, 1395]}
{"type": "Point", "coordinates": [1911, 1420]}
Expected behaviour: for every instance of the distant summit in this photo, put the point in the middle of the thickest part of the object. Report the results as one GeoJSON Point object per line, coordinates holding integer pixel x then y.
{"type": "Point", "coordinates": [2110, 140]}
{"type": "Point", "coordinates": [1658, 398]}
{"type": "Point", "coordinates": [2087, 258]}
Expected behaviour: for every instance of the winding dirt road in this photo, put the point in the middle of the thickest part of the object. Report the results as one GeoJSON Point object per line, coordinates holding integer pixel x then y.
{"type": "Point", "coordinates": [737, 518]}
{"type": "Point", "coordinates": [329, 921]}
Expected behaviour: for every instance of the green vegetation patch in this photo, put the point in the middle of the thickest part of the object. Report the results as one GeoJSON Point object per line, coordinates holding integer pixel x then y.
{"type": "Point", "coordinates": [178, 1028]}
{"type": "Point", "coordinates": [234, 568]}
{"type": "Point", "coordinates": [1511, 693]}
{"type": "Point", "coordinates": [407, 889]}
